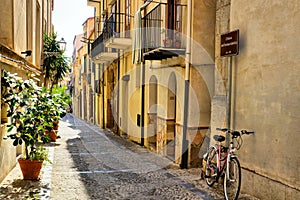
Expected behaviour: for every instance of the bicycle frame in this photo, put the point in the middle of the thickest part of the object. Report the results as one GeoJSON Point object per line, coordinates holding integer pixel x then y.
{"type": "Point", "coordinates": [222, 162]}
{"type": "Point", "coordinates": [228, 155]}
{"type": "Point", "coordinates": [220, 159]}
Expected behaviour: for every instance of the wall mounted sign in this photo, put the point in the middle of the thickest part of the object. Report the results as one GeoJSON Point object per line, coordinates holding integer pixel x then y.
{"type": "Point", "coordinates": [230, 43]}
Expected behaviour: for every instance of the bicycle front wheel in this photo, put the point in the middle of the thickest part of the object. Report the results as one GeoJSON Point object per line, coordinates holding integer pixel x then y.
{"type": "Point", "coordinates": [232, 180]}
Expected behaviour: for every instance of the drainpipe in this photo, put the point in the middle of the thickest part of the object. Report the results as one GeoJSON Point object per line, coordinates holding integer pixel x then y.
{"type": "Point", "coordinates": [142, 122]}
{"type": "Point", "coordinates": [184, 159]}
{"type": "Point", "coordinates": [42, 43]}
{"type": "Point", "coordinates": [118, 99]}
{"type": "Point", "coordinates": [103, 98]}
{"type": "Point", "coordinates": [229, 94]}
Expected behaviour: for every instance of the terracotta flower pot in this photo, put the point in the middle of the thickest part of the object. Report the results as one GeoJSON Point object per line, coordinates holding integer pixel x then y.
{"type": "Point", "coordinates": [56, 125]}
{"type": "Point", "coordinates": [177, 44]}
{"type": "Point", "coordinates": [30, 169]}
{"type": "Point", "coordinates": [52, 135]}
{"type": "Point", "coordinates": [168, 42]}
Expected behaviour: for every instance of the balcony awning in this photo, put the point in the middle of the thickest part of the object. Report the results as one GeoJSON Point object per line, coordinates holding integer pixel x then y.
{"type": "Point", "coordinates": [163, 53]}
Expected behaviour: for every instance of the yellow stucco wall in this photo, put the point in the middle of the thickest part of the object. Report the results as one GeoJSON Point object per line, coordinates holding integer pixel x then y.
{"type": "Point", "coordinates": [6, 26]}
{"type": "Point", "coordinates": [14, 32]}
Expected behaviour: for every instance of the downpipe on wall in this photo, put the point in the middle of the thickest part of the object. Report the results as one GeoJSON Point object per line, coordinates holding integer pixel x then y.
{"type": "Point", "coordinates": [185, 143]}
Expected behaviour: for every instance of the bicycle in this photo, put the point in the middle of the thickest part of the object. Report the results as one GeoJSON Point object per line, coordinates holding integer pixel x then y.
{"type": "Point", "coordinates": [222, 162]}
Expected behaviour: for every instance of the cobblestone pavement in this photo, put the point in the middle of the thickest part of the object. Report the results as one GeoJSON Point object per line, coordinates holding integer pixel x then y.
{"type": "Point", "coordinates": [89, 163]}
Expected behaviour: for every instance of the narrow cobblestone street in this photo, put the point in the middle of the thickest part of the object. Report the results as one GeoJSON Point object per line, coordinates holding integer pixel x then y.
{"type": "Point", "coordinates": [89, 163]}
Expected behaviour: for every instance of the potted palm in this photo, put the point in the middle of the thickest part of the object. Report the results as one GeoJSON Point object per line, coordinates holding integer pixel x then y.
{"type": "Point", "coordinates": [55, 65]}
{"type": "Point", "coordinates": [26, 110]}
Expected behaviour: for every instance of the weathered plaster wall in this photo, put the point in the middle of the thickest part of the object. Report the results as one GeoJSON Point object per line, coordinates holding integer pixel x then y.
{"type": "Point", "coordinates": [203, 29]}
{"type": "Point", "coordinates": [134, 103]}
{"type": "Point", "coordinates": [7, 154]}
{"type": "Point", "coordinates": [267, 86]}
{"type": "Point", "coordinates": [13, 34]}
{"type": "Point", "coordinates": [6, 26]}
{"type": "Point", "coordinates": [19, 26]}
{"type": "Point", "coordinates": [7, 150]}
{"type": "Point", "coordinates": [265, 92]}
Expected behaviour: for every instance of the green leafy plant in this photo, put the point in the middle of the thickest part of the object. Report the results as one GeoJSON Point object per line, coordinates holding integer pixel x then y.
{"type": "Point", "coordinates": [26, 111]}
{"type": "Point", "coordinates": [40, 154]}
{"type": "Point", "coordinates": [57, 106]}
{"type": "Point", "coordinates": [32, 111]}
{"type": "Point", "coordinates": [61, 97]}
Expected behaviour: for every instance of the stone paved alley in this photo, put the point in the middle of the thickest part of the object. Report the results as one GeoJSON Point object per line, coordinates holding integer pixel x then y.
{"type": "Point", "coordinates": [89, 163]}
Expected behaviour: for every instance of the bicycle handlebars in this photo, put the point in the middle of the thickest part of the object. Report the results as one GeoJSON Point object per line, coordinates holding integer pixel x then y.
{"type": "Point", "coordinates": [247, 132]}
{"type": "Point", "coordinates": [235, 133]}
{"type": "Point", "coordinates": [222, 129]}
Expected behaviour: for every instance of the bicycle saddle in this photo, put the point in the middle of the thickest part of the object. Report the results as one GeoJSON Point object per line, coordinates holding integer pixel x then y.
{"type": "Point", "coordinates": [219, 138]}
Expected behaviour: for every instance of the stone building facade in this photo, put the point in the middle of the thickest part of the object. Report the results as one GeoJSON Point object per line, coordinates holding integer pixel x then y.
{"type": "Point", "coordinates": [166, 87]}
{"type": "Point", "coordinates": [265, 92]}
{"type": "Point", "coordinates": [22, 25]}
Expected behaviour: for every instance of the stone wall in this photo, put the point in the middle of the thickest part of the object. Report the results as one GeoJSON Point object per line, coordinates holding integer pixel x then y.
{"type": "Point", "coordinates": [265, 92]}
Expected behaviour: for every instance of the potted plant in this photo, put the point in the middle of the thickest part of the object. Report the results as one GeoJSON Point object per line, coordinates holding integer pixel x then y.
{"type": "Point", "coordinates": [60, 102]}
{"type": "Point", "coordinates": [177, 40]}
{"type": "Point", "coordinates": [26, 110]}
{"type": "Point", "coordinates": [55, 66]}
{"type": "Point", "coordinates": [167, 39]}
{"type": "Point", "coordinates": [50, 111]}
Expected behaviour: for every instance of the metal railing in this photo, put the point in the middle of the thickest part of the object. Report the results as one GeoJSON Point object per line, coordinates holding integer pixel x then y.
{"type": "Point", "coordinates": [114, 27]}
{"type": "Point", "coordinates": [156, 26]}
{"type": "Point", "coordinates": [97, 46]}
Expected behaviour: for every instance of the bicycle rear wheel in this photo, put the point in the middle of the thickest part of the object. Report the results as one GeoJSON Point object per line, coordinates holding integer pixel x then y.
{"type": "Point", "coordinates": [232, 184]}
{"type": "Point", "coordinates": [211, 167]}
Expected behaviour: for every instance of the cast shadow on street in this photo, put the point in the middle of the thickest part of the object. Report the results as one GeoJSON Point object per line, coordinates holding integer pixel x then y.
{"type": "Point", "coordinates": [21, 189]}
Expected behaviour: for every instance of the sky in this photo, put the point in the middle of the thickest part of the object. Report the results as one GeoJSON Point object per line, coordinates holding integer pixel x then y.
{"type": "Point", "coordinates": [68, 17]}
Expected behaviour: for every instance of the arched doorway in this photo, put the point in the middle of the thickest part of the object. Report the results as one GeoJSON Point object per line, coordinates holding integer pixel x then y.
{"type": "Point", "coordinates": [171, 121]}
{"type": "Point", "coordinates": [152, 113]}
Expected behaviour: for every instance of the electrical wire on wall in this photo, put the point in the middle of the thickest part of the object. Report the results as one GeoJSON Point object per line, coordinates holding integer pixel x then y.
{"type": "Point", "coordinates": [23, 65]}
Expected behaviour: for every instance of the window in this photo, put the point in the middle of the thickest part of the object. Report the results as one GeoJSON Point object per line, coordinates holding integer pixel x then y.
{"type": "Point", "coordinates": [93, 67]}
{"type": "Point", "coordinates": [38, 33]}
{"type": "Point", "coordinates": [127, 18]}
{"type": "Point", "coordinates": [29, 26]}
{"type": "Point", "coordinates": [84, 64]}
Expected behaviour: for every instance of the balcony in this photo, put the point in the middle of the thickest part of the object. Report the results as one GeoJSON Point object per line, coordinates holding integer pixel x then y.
{"type": "Point", "coordinates": [163, 32]}
{"type": "Point", "coordinates": [100, 53]}
{"type": "Point", "coordinates": [116, 35]}
{"type": "Point", "coordinates": [104, 48]}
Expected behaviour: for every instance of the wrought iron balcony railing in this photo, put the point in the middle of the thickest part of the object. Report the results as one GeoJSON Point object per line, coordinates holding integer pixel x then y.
{"type": "Point", "coordinates": [114, 27]}
{"type": "Point", "coordinates": [163, 29]}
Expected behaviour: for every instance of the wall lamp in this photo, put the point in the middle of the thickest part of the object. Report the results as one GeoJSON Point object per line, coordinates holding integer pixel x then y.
{"type": "Point", "coordinates": [62, 47]}
{"type": "Point", "coordinates": [27, 53]}
{"type": "Point", "coordinates": [62, 44]}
